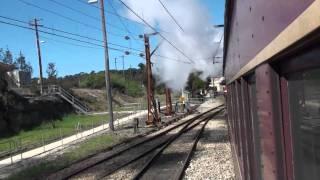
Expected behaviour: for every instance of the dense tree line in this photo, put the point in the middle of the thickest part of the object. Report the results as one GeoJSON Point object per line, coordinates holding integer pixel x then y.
{"type": "Point", "coordinates": [19, 62]}
{"type": "Point", "coordinates": [130, 81]}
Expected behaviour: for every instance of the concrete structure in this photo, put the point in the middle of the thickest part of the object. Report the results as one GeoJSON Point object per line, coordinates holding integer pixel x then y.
{"type": "Point", "coordinates": [20, 78]}
{"type": "Point", "coordinates": [4, 68]}
{"type": "Point", "coordinates": [216, 84]}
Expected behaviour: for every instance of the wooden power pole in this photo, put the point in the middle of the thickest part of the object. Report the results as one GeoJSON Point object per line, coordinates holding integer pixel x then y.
{"type": "Point", "coordinates": [153, 116]}
{"type": "Point", "coordinates": [35, 24]}
{"type": "Point", "coordinates": [168, 102]}
{"type": "Point", "coordinates": [106, 62]}
{"type": "Point", "coordinates": [123, 67]}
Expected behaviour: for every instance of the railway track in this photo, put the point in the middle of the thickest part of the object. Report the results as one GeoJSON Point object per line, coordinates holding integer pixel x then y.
{"type": "Point", "coordinates": [171, 160]}
{"type": "Point", "coordinates": [150, 152]}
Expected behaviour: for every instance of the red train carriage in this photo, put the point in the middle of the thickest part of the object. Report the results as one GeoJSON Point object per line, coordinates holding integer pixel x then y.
{"type": "Point", "coordinates": [272, 70]}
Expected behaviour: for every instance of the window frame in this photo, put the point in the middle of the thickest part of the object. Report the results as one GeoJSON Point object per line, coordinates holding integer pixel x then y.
{"type": "Point", "coordinates": [304, 60]}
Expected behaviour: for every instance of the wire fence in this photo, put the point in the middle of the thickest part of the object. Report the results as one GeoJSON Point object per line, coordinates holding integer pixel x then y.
{"type": "Point", "coordinates": [16, 147]}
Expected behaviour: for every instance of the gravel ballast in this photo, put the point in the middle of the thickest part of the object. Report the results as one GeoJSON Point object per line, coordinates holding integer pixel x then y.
{"type": "Point", "coordinates": [212, 158]}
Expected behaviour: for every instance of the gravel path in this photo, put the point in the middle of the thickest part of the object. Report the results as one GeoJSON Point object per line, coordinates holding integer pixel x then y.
{"type": "Point", "coordinates": [212, 158]}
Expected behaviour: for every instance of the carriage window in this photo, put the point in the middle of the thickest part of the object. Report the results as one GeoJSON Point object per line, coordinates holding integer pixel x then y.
{"type": "Point", "coordinates": [304, 100]}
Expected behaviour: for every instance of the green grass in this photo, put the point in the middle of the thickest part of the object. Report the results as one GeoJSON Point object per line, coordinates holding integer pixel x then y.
{"type": "Point", "coordinates": [84, 149]}
{"type": "Point", "coordinates": [47, 132]}
{"type": "Point", "coordinates": [118, 82]}
{"type": "Point", "coordinates": [125, 85]}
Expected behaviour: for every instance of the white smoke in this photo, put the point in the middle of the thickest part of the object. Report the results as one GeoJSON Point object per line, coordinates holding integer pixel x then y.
{"type": "Point", "coordinates": [198, 40]}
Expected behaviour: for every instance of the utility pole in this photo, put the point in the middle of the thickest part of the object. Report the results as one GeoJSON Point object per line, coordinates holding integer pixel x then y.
{"type": "Point", "coordinates": [168, 102]}
{"type": "Point", "coordinates": [106, 59]}
{"type": "Point", "coordinates": [115, 63]}
{"type": "Point", "coordinates": [131, 72]}
{"type": "Point", "coordinates": [123, 67]}
{"type": "Point", "coordinates": [153, 116]}
{"type": "Point", "coordinates": [35, 24]}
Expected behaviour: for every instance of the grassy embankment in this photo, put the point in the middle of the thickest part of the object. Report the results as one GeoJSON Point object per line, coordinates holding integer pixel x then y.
{"type": "Point", "coordinates": [50, 131]}
{"type": "Point", "coordinates": [84, 149]}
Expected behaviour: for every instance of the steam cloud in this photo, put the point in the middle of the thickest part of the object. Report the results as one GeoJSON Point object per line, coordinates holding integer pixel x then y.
{"type": "Point", "coordinates": [199, 40]}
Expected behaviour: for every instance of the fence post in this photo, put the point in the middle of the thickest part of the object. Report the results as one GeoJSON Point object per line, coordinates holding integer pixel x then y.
{"type": "Point", "coordinates": [42, 139]}
{"type": "Point", "coordinates": [76, 130]}
{"type": "Point", "coordinates": [81, 131]}
{"type": "Point", "coordinates": [102, 124]}
{"type": "Point", "coordinates": [118, 121]}
{"type": "Point", "coordinates": [92, 126]}
{"type": "Point", "coordinates": [11, 151]}
{"type": "Point", "coordinates": [61, 137]}
{"type": "Point", "coordinates": [20, 149]}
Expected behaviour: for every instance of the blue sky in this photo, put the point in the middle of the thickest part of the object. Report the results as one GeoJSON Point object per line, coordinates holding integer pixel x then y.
{"type": "Point", "coordinates": [71, 59]}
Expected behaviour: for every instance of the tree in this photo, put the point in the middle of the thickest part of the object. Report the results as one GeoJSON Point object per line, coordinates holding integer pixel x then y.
{"type": "Point", "coordinates": [1, 54]}
{"type": "Point", "coordinates": [194, 83]}
{"type": "Point", "coordinates": [22, 65]}
{"type": "Point", "coordinates": [141, 67]}
{"type": "Point", "coordinates": [52, 71]}
{"type": "Point", "coordinates": [7, 57]}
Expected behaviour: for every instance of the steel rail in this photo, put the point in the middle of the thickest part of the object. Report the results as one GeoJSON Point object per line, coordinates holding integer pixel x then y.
{"type": "Point", "coordinates": [73, 173]}
{"type": "Point", "coordinates": [171, 140]}
{"type": "Point", "coordinates": [160, 145]}
{"type": "Point", "coordinates": [190, 153]}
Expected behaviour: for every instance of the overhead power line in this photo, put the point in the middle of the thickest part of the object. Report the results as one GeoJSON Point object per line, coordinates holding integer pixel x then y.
{"type": "Point", "coordinates": [154, 29]}
{"type": "Point", "coordinates": [85, 42]}
{"type": "Point", "coordinates": [69, 33]}
{"type": "Point", "coordinates": [74, 34]}
{"type": "Point", "coordinates": [73, 44]}
{"type": "Point", "coordinates": [217, 50]}
{"type": "Point", "coordinates": [118, 15]}
{"type": "Point", "coordinates": [57, 35]}
{"type": "Point", "coordinates": [53, 34]}
{"type": "Point", "coordinates": [75, 10]}
{"type": "Point", "coordinates": [112, 13]}
{"type": "Point", "coordinates": [121, 21]}
{"type": "Point", "coordinates": [66, 17]}
{"type": "Point", "coordinates": [60, 15]}
{"type": "Point", "coordinates": [53, 29]}
{"type": "Point", "coordinates": [93, 17]}
{"type": "Point", "coordinates": [97, 19]}
{"type": "Point", "coordinates": [172, 17]}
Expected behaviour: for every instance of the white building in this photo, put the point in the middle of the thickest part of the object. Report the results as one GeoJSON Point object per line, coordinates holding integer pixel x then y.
{"type": "Point", "coordinates": [20, 78]}
{"type": "Point", "coordinates": [216, 84]}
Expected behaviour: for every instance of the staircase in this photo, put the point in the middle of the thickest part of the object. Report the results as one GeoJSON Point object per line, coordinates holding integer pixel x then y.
{"type": "Point", "coordinates": [80, 107]}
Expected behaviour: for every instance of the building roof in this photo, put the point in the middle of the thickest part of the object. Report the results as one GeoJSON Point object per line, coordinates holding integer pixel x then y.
{"type": "Point", "coordinates": [6, 67]}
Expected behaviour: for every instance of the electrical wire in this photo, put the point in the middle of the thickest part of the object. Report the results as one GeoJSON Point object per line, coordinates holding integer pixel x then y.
{"type": "Point", "coordinates": [69, 33]}
{"type": "Point", "coordinates": [58, 14]}
{"type": "Point", "coordinates": [75, 10]}
{"type": "Point", "coordinates": [62, 31]}
{"type": "Point", "coordinates": [112, 13]}
{"type": "Point", "coordinates": [217, 50]}
{"type": "Point", "coordinates": [97, 19]}
{"type": "Point", "coordinates": [154, 29]}
{"type": "Point", "coordinates": [172, 17]}
{"type": "Point", "coordinates": [73, 44]}
{"type": "Point", "coordinates": [86, 42]}
{"type": "Point", "coordinates": [123, 24]}
{"type": "Point", "coordinates": [66, 17]}
{"type": "Point", "coordinates": [92, 17]}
